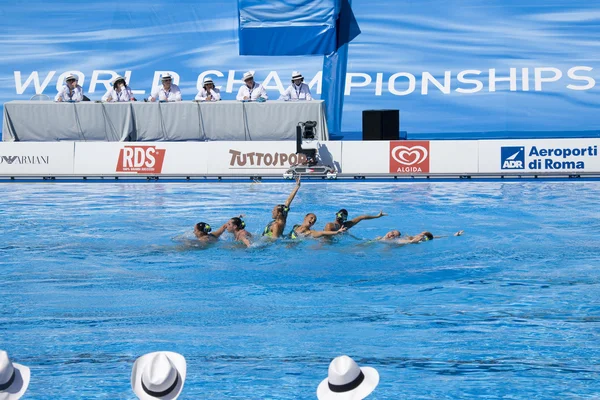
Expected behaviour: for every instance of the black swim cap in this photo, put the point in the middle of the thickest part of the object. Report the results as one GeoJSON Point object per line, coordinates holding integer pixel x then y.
{"type": "Point", "coordinates": [203, 227]}
{"type": "Point", "coordinates": [342, 214]}
{"type": "Point", "coordinates": [283, 209]}
{"type": "Point", "coordinates": [238, 222]}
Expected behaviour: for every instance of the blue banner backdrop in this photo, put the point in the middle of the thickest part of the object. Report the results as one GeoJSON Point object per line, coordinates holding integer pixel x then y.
{"type": "Point", "coordinates": [449, 66]}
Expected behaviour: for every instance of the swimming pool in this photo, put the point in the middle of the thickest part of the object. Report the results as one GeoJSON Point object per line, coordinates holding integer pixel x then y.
{"type": "Point", "coordinates": [92, 278]}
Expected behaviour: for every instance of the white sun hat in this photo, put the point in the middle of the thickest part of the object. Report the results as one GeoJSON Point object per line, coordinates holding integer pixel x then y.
{"type": "Point", "coordinates": [71, 76]}
{"type": "Point", "coordinates": [166, 76]}
{"type": "Point", "coordinates": [14, 378]}
{"type": "Point", "coordinates": [207, 80]}
{"type": "Point", "coordinates": [296, 75]}
{"type": "Point", "coordinates": [117, 78]}
{"type": "Point", "coordinates": [248, 75]}
{"type": "Point", "coordinates": [158, 375]}
{"type": "Point", "coordinates": [346, 381]}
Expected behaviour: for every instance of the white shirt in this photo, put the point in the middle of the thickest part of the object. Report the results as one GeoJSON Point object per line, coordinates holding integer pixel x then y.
{"type": "Point", "coordinates": [294, 92]}
{"type": "Point", "coordinates": [159, 93]}
{"type": "Point", "coordinates": [252, 93]}
{"type": "Point", "coordinates": [123, 95]}
{"type": "Point", "coordinates": [67, 95]}
{"type": "Point", "coordinates": [203, 93]}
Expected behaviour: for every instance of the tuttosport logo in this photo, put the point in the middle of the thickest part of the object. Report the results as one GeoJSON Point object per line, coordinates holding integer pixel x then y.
{"type": "Point", "coordinates": [409, 157]}
{"type": "Point", "coordinates": [141, 159]}
{"type": "Point", "coordinates": [262, 160]}
{"type": "Point", "coordinates": [546, 158]}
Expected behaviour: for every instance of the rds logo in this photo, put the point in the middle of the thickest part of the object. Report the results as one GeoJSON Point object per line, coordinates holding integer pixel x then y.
{"type": "Point", "coordinates": [512, 157]}
{"type": "Point", "coordinates": [141, 159]}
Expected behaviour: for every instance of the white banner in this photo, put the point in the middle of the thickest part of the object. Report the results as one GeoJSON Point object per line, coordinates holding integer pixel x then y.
{"type": "Point", "coordinates": [395, 158]}
{"type": "Point", "coordinates": [263, 158]}
{"type": "Point", "coordinates": [368, 157]}
{"type": "Point", "coordinates": [543, 156]}
{"type": "Point", "coordinates": [36, 159]}
{"type": "Point", "coordinates": [410, 157]}
{"type": "Point", "coordinates": [454, 157]}
{"type": "Point", "coordinates": [140, 158]}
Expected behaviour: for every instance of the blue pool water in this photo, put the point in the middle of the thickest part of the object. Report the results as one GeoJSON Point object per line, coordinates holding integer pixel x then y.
{"type": "Point", "coordinates": [91, 278]}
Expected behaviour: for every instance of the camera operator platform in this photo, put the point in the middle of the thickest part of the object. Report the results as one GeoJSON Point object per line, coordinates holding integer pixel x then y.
{"type": "Point", "coordinates": [307, 144]}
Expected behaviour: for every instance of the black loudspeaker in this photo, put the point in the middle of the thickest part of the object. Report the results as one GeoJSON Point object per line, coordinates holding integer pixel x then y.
{"type": "Point", "coordinates": [381, 124]}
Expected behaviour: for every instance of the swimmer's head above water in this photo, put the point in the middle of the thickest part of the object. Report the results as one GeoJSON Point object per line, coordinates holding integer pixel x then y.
{"type": "Point", "coordinates": [425, 236]}
{"type": "Point", "coordinates": [341, 216]}
{"type": "Point", "coordinates": [310, 219]}
{"type": "Point", "coordinates": [235, 223]}
{"type": "Point", "coordinates": [202, 229]}
{"type": "Point", "coordinates": [393, 234]}
{"type": "Point", "coordinates": [280, 210]}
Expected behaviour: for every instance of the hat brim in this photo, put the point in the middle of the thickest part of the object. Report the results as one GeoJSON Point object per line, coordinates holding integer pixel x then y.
{"type": "Point", "coordinates": [363, 390]}
{"type": "Point", "coordinates": [138, 369]}
{"type": "Point", "coordinates": [20, 384]}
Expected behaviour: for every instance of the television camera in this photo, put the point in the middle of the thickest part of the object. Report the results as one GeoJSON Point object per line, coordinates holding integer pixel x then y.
{"type": "Point", "coordinates": [308, 145]}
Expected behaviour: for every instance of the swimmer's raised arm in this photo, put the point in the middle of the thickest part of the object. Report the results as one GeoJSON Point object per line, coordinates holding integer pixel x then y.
{"type": "Point", "coordinates": [356, 220]}
{"type": "Point", "coordinates": [293, 194]}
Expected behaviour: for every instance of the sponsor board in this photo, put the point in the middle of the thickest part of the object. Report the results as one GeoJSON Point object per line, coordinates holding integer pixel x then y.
{"type": "Point", "coordinates": [18, 158]}
{"type": "Point", "coordinates": [141, 159]}
{"type": "Point", "coordinates": [550, 158]}
{"type": "Point", "coordinates": [512, 157]}
{"type": "Point", "coordinates": [543, 156]}
{"type": "Point", "coordinates": [194, 158]}
{"type": "Point", "coordinates": [409, 157]}
{"type": "Point", "coordinates": [263, 158]}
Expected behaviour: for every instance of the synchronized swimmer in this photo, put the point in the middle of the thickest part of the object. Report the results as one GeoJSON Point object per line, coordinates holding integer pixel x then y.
{"type": "Point", "coordinates": [394, 236]}
{"type": "Point", "coordinates": [275, 229]}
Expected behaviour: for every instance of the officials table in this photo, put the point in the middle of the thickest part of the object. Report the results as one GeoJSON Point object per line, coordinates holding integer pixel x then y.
{"type": "Point", "coordinates": [44, 121]}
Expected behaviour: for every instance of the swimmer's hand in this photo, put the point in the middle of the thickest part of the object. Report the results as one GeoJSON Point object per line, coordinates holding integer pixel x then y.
{"type": "Point", "coordinates": [381, 214]}
{"type": "Point", "coordinates": [459, 233]}
{"type": "Point", "coordinates": [341, 230]}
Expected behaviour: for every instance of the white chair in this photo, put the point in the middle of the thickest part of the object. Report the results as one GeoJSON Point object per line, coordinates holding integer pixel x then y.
{"type": "Point", "coordinates": [40, 97]}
